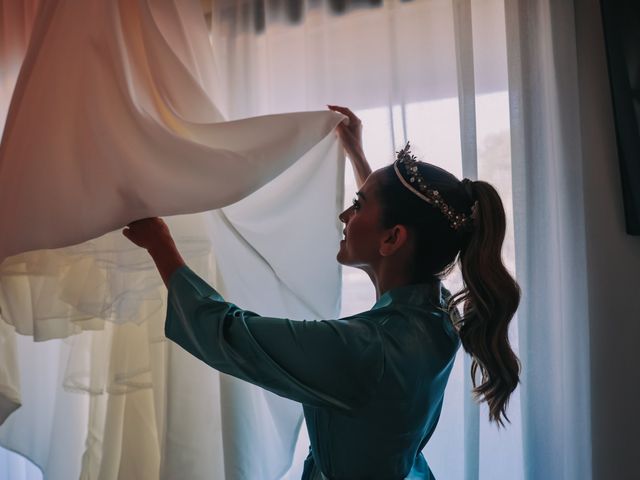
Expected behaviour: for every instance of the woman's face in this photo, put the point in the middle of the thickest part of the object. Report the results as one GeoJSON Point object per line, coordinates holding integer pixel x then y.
{"type": "Point", "coordinates": [363, 231]}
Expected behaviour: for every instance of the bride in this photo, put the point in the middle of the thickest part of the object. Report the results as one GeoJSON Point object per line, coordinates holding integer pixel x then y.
{"type": "Point", "coordinates": [372, 384]}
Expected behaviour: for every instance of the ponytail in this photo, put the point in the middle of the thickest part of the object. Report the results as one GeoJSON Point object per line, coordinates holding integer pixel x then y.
{"type": "Point", "coordinates": [489, 298]}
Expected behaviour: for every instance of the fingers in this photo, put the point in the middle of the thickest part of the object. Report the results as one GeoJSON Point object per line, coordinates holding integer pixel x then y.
{"type": "Point", "coordinates": [135, 223]}
{"type": "Point", "coordinates": [131, 236]}
{"type": "Point", "coordinates": [144, 227]}
{"type": "Point", "coordinates": [144, 221]}
{"type": "Point", "coordinates": [345, 111]}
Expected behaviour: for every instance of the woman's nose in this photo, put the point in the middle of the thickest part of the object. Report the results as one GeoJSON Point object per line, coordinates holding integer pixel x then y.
{"type": "Point", "coordinates": [344, 216]}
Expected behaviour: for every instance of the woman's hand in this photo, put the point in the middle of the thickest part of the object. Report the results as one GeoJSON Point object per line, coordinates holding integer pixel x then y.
{"type": "Point", "coordinates": [351, 138]}
{"type": "Point", "coordinates": [149, 233]}
{"type": "Point", "coordinates": [350, 135]}
{"type": "Point", "coordinates": [153, 235]}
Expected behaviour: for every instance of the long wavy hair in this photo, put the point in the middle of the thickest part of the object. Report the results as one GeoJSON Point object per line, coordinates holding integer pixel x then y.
{"type": "Point", "coordinates": [490, 295]}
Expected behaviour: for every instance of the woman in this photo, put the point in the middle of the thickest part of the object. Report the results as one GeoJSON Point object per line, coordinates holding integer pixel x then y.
{"type": "Point", "coordinates": [372, 384]}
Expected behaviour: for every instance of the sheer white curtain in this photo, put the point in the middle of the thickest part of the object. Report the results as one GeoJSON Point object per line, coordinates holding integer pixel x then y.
{"type": "Point", "coordinates": [550, 239]}
{"type": "Point", "coordinates": [579, 269]}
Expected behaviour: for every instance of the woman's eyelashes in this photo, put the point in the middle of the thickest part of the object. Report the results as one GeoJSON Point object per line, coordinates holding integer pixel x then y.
{"type": "Point", "coordinates": [356, 204]}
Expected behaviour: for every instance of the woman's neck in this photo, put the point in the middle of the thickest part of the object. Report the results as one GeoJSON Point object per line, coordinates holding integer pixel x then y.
{"type": "Point", "coordinates": [386, 279]}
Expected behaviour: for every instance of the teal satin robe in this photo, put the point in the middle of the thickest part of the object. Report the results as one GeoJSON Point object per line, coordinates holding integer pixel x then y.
{"type": "Point", "coordinates": [371, 385]}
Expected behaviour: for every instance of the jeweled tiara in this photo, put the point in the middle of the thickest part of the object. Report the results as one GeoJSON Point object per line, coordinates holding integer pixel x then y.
{"type": "Point", "coordinates": [415, 182]}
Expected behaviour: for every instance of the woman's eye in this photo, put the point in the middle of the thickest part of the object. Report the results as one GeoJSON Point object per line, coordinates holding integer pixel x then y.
{"type": "Point", "coordinates": [356, 204]}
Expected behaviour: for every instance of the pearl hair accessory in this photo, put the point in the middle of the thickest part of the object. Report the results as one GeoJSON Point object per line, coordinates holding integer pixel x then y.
{"type": "Point", "coordinates": [417, 185]}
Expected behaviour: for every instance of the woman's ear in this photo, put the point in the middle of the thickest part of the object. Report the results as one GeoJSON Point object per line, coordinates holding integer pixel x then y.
{"type": "Point", "coordinates": [395, 238]}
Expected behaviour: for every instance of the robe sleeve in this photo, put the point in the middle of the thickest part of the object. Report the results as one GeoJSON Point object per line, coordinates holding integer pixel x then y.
{"type": "Point", "coordinates": [322, 363]}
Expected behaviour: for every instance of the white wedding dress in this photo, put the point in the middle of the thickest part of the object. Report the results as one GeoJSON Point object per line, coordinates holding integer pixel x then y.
{"type": "Point", "coordinates": [114, 116]}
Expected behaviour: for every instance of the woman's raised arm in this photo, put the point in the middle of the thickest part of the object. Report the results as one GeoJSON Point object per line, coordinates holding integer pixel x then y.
{"type": "Point", "coordinates": [351, 137]}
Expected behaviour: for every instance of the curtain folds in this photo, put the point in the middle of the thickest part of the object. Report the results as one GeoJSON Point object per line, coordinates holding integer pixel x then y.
{"type": "Point", "coordinates": [550, 238]}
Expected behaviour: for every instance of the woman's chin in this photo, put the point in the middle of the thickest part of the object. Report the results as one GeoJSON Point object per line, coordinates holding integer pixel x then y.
{"type": "Point", "coordinates": [341, 256]}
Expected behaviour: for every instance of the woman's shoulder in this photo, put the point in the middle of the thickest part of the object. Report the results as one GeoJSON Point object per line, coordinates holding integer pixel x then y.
{"type": "Point", "coordinates": [423, 319]}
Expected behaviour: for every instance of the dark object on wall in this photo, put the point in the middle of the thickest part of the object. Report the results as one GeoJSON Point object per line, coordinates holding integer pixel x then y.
{"type": "Point", "coordinates": [621, 20]}
{"type": "Point", "coordinates": [294, 9]}
{"type": "Point", "coordinates": [251, 15]}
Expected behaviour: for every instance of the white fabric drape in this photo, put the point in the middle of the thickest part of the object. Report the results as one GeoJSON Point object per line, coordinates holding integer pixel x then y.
{"type": "Point", "coordinates": [550, 238]}
{"type": "Point", "coordinates": [128, 129]}
{"type": "Point", "coordinates": [109, 89]}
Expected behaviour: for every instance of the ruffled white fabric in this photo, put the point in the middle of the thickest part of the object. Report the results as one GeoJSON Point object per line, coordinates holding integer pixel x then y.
{"type": "Point", "coordinates": [113, 118]}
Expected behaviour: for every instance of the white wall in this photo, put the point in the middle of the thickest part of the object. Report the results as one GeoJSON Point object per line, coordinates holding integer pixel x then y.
{"type": "Point", "coordinates": [614, 266]}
